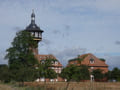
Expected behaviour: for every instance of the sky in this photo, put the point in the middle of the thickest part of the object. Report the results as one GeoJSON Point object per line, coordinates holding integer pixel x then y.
{"type": "Point", "coordinates": [71, 27]}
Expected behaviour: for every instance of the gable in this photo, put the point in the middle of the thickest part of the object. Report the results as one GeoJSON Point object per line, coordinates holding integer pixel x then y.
{"type": "Point", "coordinates": [92, 60]}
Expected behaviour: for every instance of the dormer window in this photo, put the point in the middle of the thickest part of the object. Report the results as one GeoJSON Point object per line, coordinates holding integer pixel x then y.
{"type": "Point", "coordinates": [56, 63]}
{"type": "Point", "coordinates": [92, 61]}
{"type": "Point", "coordinates": [52, 62]}
{"type": "Point", "coordinates": [42, 62]}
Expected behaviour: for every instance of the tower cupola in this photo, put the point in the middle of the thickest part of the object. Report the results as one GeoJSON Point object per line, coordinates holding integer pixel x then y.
{"type": "Point", "coordinates": [35, 31]}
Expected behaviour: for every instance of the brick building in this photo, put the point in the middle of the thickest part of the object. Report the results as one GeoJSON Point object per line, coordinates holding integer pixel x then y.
{"type": "Point", "coordinates": [91, 61]}
{"type": "Point", "coordinates": [56, 65]}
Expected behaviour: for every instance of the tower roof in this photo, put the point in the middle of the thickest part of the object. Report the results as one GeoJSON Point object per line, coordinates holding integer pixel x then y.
{"type": "Point", "coordinates": [32, 26]}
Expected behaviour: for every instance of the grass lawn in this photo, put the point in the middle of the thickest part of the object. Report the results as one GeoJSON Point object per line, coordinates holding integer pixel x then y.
{"type": "Point", "coordinates": [62, 86]}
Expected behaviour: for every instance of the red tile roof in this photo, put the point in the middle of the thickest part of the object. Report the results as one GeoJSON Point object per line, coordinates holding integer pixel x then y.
{"type": "Point", "coordinates": [44, 57]}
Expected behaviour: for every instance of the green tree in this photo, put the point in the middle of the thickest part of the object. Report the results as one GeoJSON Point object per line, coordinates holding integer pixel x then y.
{"type": "Point", "coordinates": [108, 75]}
{"type": "Point", "coordinates": [21, 59]}
{"type": "Point", "coordinates": [98, 75]}
{"type": "Point", "coordinates": [4, 73]}
{"type": "Point", "coordinates": [75, 73]}
{"type": "Point", "coordinates": [84, 72]}
{"type": "Point", "coordinates": [69, 72]}
{"type": "Point", "coordinates": [115, 74]}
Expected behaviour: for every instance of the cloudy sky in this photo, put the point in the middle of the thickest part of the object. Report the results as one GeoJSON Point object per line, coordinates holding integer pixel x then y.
{"type": "Point", "coordinates": [71, 27]}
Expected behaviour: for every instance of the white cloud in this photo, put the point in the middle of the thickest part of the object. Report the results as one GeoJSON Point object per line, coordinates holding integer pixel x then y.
{"type": "Point", "coordinates": [112, 59]}
{"type": "Point", "coordinates": [91, 24]}
{"type": "Point", "coordinates": [69, 53]}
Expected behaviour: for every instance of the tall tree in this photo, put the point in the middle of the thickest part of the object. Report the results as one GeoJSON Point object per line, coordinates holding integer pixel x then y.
{"type": "Point", "coordinates": [21, 59]}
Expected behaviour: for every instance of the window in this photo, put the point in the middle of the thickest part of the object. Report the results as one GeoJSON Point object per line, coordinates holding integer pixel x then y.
{"type": "Point", "coordinates": [59, 71]}
{"type": "Point", "coordinates": [40, 35]}
{"type": "Point", "coordinates": [52, 62]}
{"type": "Point", "coordinates": [32, 33]}
{"type": "Point", "coordinates": [36, 67]}
{"type": "Point", "coordinates": [92, 67]}
{"type": "Point", "coordinates": [52, 67]}
{"type": "Point", "coordinates": [56, 68]}
{"type": "Point", "coordinates": [56, 71]}
{"type": "Point", "coordinates": [60, 68]}
{"type": "Point", "coordinates": [91, 60]}
{"type": "Point", "coordinates": [42, 61]}
{"type": "Point", "coordinates": [36, 34]}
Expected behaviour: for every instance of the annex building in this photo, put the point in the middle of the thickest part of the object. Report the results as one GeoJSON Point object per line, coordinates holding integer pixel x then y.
{"type": "Point", "coordinates": [91, 61]}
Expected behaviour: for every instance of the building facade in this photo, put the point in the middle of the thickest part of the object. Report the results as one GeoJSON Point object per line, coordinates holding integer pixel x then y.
{"type": "Point", "coordinates": [56, 66]}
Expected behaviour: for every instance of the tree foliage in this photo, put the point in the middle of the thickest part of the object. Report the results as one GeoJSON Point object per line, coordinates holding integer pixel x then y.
{"type": "Point", "coordinates": [98, 74]}
{"type": "Point", "coordinates": [21, 59]}
{"type": "Point", "coordinates": [5, 75]}
{"type": "Point", "coordinates": [21, 49]}
{"type": "Point", "coordinates": [114, 74]}
{"type": "Point", "coordinates": [44, 69]}
{"type": "Point", "coordinates": [75, 73]}
{"type": "Point", "coordinates": [102, 59]}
